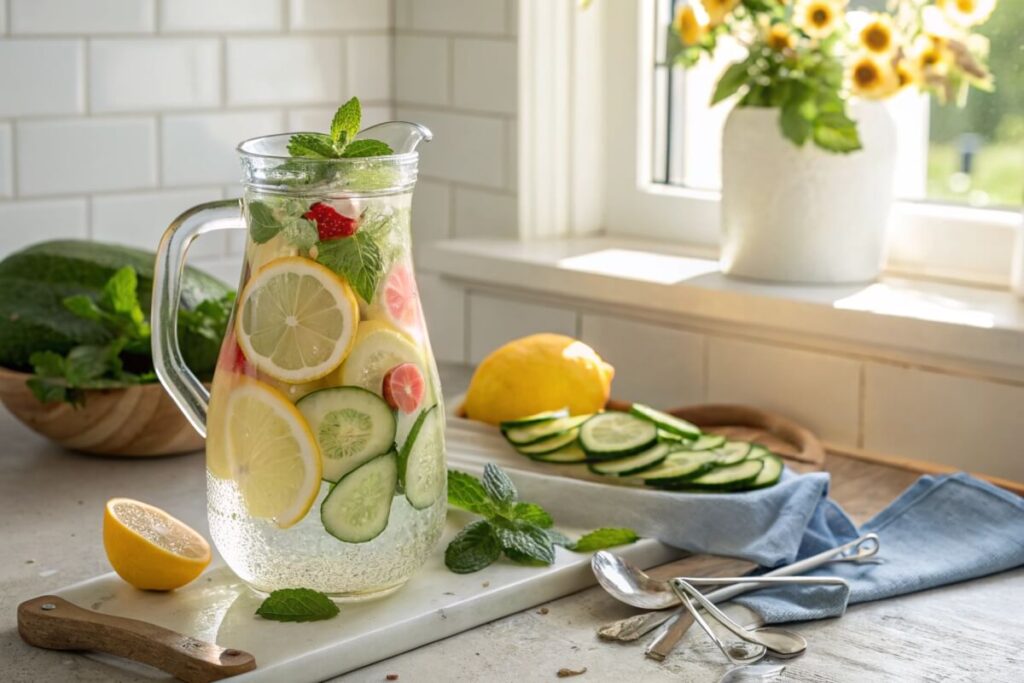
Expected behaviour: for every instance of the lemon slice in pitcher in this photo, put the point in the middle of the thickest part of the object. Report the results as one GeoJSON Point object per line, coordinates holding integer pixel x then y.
{"type": "Point", "coordinates": [378, 348]}
{"type": "Point", "coordinates": [272, 453]}
{"type": "Point", "coordinates": [297, 320]}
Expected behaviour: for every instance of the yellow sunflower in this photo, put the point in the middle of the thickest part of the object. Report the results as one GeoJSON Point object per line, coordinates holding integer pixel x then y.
{"type": "Point", "coordinates": [818, 18]}
{"type": "Point", "coordinates": [691, 23]}
{"type": "Point", "coordinates": [906, 74]}
{"type": "Point", "coordinates": [967, 12]}
{"type": "Point", "coordinates": [718, 10]}
{"type": "Point", "coordinates": [877, 35]}
{"type": "Point", "coordinates": [931, 54]}
{"type": "Point", "coordinates": [871, 77]}
{"type": "Point", "coordinates": [780, 38]}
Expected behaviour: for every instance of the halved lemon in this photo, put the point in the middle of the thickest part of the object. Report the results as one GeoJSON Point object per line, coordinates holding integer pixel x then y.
{"type": "Point", "coordinates": [149, 548]}
{"type": "Point", "coordinates": [271, 452]}
{"type": "Point", "coordinates": [378, 348]}
{"type": "Point", "coordinates": [297, 320]}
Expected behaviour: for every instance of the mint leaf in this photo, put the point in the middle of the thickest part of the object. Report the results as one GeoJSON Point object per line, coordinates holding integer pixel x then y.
{"type": "Point", "coordinates": [120, 292]}
{"type": "Point", "coordinates": [465, 491]}
{"type": "Point", "coordinates": [357, 259]}
{"type": "Point", "coordinates": [523, 558]}
{"type": "Point", "coordinates": [47, 364]}
{"type": "Point", "coordinates": [315, 145]}
{"type": "Point", "coordinates": [263, 224]}
{"type": "Point", "coordinates": [474, 548]}
{"type": "Point", "coordinates": [498, 486]}
{"type": "Point", "coordinates": [532, 513]}
{"type": "Point", "coordinates": [297, 604]}
{"type": "Point", "coordinates": [345, 124]}
{"type": "Point", "coordinates": [603, 538]}
{"type": "Point", "coordinates": [558, 538]}
{"type": "Point", "coordinates": [50, 391]}
{"type": "Point", "coordinates": [366, 148]}
{"type": "Point", "coordinates": [83, 307]}
{"type": "Point", "coordinates": [88, 362]}
{"type": "Point", "coordinates": [525, 539]}
{"type": "Point", "coordinates": [300, 232]}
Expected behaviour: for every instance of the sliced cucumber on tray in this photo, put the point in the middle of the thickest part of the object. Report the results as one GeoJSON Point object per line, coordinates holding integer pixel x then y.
{"type": "Point", "coordinates": [570, 454]}
{"type": "Point", "coordinates": [532, 433]}
{"type": "Point", "coordinates": [732, 452]}
{"type": "Point", "coordinates": [707, 442]}
{"type": "Point", "coordinates": [616, 435]}
{"type": "Point", "coordinates": [666, 422]}
{"type": "Point", "coordinates": [729, 477]}
{"type": "Point", "coordinates": [358, 506]}
{"type": "Point", "coordinates": [550, 444]}
{"type": "Point", "coordinates": [621, 467]}
{"type": "Point", "coordinates": [678, 466]}
{"type": "Point", "coordinates": [536, 418]}
{"type": "Point", "coordinates": [769, 474]}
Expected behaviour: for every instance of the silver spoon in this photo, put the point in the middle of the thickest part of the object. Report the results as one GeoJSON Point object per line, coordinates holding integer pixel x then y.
{"type": "Point", "coordinates": [779, 642]}
{"type": "Point", "coordinates": [630, 584]}
{"type": "Point", "coordinates": [740, 656]}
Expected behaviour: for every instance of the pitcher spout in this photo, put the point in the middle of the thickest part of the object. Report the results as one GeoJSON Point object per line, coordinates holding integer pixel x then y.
{"type": "Point", "coordinates": [402, 136]}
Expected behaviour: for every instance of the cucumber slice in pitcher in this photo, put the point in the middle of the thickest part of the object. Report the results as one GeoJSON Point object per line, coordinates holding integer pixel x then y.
{"type": "Point", "coordinates": [524, 436]}
{"type": "Point", "coordinates": [357, 508]}
{"type": "Point", "coordinates": [421, 462]}
{"type": "Point", "coordinates": [536, 418]}
{"type": "Point", "coordinates": [550, 444]}
{"type": "Point", "coordinates": [632, 464]}
{"type": "Point", "coordinates": [666, 422]}
{"type": "Point", "coordinates": [616, 435]}
{"type": "Point", "coordinates": [351, 426]}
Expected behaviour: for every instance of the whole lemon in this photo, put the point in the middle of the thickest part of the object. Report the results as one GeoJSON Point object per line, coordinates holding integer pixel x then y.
{"type": "Point", "coordinates": [537, 373]}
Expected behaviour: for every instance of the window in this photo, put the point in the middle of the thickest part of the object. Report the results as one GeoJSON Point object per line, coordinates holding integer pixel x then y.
{"type": "Point", "coordinates": [972, 155]}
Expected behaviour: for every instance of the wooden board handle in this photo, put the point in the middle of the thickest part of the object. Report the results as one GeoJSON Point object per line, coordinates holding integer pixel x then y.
{"type": "Point", "coordinates": [56, 624]}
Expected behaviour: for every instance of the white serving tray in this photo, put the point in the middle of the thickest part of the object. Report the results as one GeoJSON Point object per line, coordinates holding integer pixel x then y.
{"type": "Point", "coordinates": [435, 604]}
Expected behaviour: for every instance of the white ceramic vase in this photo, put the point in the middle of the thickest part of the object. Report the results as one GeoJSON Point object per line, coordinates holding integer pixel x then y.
{"type": "Point", "coordinates": [801, 214]}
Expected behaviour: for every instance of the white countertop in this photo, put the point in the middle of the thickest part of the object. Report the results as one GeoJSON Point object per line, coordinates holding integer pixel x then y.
{"type": "Point", "coordinates": [51, 504]}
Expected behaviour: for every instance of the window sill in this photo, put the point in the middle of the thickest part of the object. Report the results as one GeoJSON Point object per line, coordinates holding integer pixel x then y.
{"type": "Point", "coordinates": [922, 323]}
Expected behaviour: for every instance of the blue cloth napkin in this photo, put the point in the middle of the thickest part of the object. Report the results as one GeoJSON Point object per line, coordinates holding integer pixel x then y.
{"type": "Point", "coordinates": [941, 530]}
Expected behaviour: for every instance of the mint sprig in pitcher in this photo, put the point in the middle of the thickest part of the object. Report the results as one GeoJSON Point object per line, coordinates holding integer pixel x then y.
{"type": "Point", "coordinates": [325, 446]}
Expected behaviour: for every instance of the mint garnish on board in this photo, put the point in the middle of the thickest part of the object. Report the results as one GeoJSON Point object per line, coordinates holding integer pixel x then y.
{"type": "Point", "coordinates": [297, 604]}
{"type": "Point", "coordinates": [520, 530]}
{"type": "Point", "coordinates": [341, 142]}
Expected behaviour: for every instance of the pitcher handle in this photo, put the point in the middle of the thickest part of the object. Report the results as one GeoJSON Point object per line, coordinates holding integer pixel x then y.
{"type": "Point", "coordinates": [184, 387]}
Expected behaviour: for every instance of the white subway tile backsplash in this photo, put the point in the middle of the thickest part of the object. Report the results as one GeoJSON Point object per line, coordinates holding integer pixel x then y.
{"type": "Point", "coordinates": [481, 213]}
{"type": "Point", "coordinates": [819, 391]}
{"type": "Point", "coordinates": [340, 15]}
{"type": "Point", "coordinates": [421, 70]}
{"type": "Point", "coordinates": [459, 16]}
{"type": "Point", "coordinates": [657, 365]}
{"type": "Point", "coordinates": [292, 70]}
{"type": "Point", "coordinates": [85, 155]}
{"type": "Point", "coordinates": [466, 148]}
{"type": "Point", "coordinates": [41, 77]}
{"type": "Point", "coordinates": [220, 15]}
{"type": "Point", "coordinates": [444, 307]}
{"type": "Point", "coordinates": [485, 75]}
{"type": "Point", "coordinates": [147, 75]}
{"type": "Point", "coordinates": [82, 16]}
{"type": "Point", "coordinates": [967, 423]}
{"type": "Point", "coordinates": [369, 67]}
{"type": "Point", "coordinates": [140, 219]}
{"type": "Point", "coordinates": [494, 321]}
{"type": "Point", "coordinates": [3, 16]}
{"type": "Point", "coordinates": [199, 149]}
{"type": "Point", "coordinates": [26, 222]}
{"type": "Point", "coordinates": [319, 118]}
{"type": "Point", "coordinates": [431, 213]}
{"type": "Point", "coordinates": [6, 160]}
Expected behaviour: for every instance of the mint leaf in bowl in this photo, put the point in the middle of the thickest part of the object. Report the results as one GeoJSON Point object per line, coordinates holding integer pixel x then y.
{"type": "Point", "coordinates": [297, 605]}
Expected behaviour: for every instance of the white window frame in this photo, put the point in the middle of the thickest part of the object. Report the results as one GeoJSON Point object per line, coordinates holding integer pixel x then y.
{"type": "Point", "coordinates": [585, 143]}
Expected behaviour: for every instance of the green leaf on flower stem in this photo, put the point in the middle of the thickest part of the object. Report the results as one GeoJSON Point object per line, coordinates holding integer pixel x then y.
{"type": "Point", "coordinates": [794, 124]}
{"type": "Point", "coordinates": [603, 538]}
{"type": "Point", "coordinates": [315, 145]}
{"type": "Point", "coordinates": [732, 80]}
{"type": "Point", "coordinates": [836, 132]}
{"type": "Point", "coordinates": [498, 486]}
{"type": "Point", "coordinates": [465, 491]}
{"type": "Point", "coordinates": [474, 548]}
{"type": "Point", "coordinates": [357, 259]}
{"type": "Point", "coordinates": [297, 604]}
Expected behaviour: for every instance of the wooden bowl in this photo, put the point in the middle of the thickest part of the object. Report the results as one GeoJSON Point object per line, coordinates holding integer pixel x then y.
{"type": "Point", "coordinates": [135, 421]}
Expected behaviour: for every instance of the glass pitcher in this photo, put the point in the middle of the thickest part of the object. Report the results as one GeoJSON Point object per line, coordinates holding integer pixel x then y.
{"type": "Point", "coordinates": [324, 424]}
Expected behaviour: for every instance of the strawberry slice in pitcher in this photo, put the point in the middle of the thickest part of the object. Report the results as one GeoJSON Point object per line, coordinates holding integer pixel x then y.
{"type": "Point", "coordinates": [404, 387]}
{"type": "Point", "coordinates": [401, 300]}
